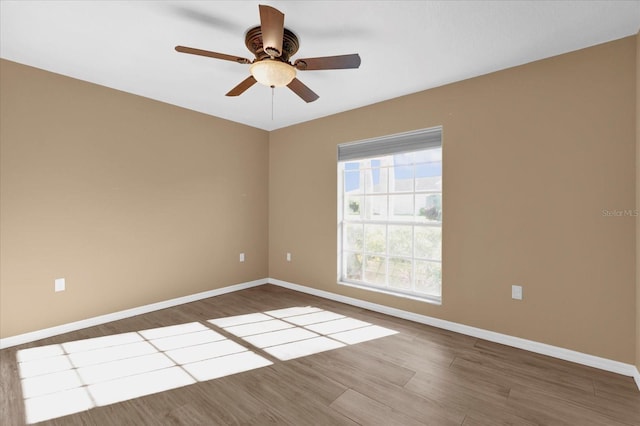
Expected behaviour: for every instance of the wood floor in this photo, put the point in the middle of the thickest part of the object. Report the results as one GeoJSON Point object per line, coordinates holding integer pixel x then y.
{"type": "Point", "coordinates": [420, 375]}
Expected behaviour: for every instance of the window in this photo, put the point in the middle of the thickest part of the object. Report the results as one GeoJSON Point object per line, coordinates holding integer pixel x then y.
{"type": "Point", "coordinates": [390, 214]}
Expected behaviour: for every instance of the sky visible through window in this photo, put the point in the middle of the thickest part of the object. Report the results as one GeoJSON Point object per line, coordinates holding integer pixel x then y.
{"type": "Point", "coordinates": [427, 163]}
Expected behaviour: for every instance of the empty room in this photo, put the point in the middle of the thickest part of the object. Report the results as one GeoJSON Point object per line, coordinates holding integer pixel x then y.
{"type": "Point", "coordinates": [320, 212]}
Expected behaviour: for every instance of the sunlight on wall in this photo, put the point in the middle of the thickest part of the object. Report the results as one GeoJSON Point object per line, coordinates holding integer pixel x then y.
{"type": "Point", "coordinates": [62, 379]}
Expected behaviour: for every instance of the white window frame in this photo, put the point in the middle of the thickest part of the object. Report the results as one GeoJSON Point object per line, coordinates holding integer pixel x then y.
{"type": "Point", "coordinates": [400, 143]}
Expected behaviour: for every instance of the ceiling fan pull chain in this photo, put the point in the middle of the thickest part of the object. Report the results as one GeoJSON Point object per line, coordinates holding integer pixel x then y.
{"type": "Point", "coordinates": [273, 90]}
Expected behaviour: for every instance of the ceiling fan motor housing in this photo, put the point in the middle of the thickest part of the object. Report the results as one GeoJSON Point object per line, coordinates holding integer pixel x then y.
{"type": "Point", "coordinates": [253, 41]}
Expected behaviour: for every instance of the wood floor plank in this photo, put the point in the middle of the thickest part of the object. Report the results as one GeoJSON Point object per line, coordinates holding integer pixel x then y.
{"type": "Point", "coordinates": [623, 389]}
{"type": "Point", "coordinates": [203, 403]}
{"type": "Point", "coordinates": [342, 363]}
{"type": "Point", "coordinates": [561, 388]}
{"type": "Point", "coordinates": [286, 397]}
{"type": "Point", "coordinates": [11, 401]}
{"type": "Point", "coordinates": [406, 352]}
{"type": "Point", "coordinates": [541, 408]}
{"type": "Point", "coordinates": [309, 381]}
{"type": "Point", "coordinates": [475, 418]}
{"type": "Point", "coordinates": [413, 405]}
{"type": "Point", "coordinates": [421, 375]}
{"type": "Point", "coordinates": [527, 371]}
{"type": "Point", "coordinates": [366, 411]}
{"type": "Point", "coordinates": [554, 365]}
{"type": "Point", "coordinates": [460, 391]}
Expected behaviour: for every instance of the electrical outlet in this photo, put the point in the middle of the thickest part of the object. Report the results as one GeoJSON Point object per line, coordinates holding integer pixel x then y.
{"type": "Point", "coordinates": [288, 257]}
{"type": "Point", "coordinates": [59, 284]}
{"type": "Point", "coordinates": [516, 292]}
{"type": "Point", "coordinates": [241, 257]}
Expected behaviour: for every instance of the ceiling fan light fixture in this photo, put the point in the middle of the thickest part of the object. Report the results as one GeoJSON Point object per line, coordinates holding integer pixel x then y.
{"type": "Point", "coordinates": [272, 72]}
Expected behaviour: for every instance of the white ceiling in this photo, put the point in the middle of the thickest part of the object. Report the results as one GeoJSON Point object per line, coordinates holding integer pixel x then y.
{"type": "Point", "coordinates": [405, 46]}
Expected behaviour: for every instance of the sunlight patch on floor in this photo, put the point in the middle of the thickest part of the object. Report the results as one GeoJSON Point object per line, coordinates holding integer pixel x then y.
{"type": "Point", "coordinates": [223, 366]}
{"type": "Point", "coordinates": [129, 387]}
{"type": "Point", "coordinates": [59, 380]}
{"type": "Point", "coordinates": [300, 331]}
{"type": "Point", "coordinates": [62, 379]}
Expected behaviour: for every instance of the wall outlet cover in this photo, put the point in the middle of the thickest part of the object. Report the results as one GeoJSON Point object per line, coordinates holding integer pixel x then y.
{"type": "Point", "coordinates": [59, 284]}
{"type": "Point", "coordinates": [516, 292]}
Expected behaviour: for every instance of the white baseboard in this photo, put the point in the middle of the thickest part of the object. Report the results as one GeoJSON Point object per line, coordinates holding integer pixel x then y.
{"type": "Point", "coordinates": [517, 342]}
{"type": "Point", "coordinates": [102, 319]}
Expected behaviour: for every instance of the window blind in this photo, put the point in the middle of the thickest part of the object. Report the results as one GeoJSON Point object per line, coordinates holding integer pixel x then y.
{"type": "Point", "coordinates": [392, 144]}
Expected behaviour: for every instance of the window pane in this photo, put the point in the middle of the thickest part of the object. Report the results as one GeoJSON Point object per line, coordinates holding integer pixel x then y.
{"type": "Point", "coordinates": [353, 182]}
{"type": "Point", "coordinates": [433, 155]}
{"type": "Point", "coordinates": [378, 178]}
{"type": "Point", "coordinates": [375, 270]}
{"type": "Point", "coordinates": [353, 206]}
{"type": "Point", "coordinates": [400, 240]}
{"type": "Point", "coordinates": [375, 207]}
{"type": "Point", "coordinates": [429, 170]}
{"type": "Point", "coordinates": [401, 207]}
{"type": "Point", "coordinates": [404, 159]}
{"type": "Point", "coordinates": [400, 273]}
{"type": "Point", "coordinates": [429, 278]}
{"type": "Point", "coordinates": [429, 207]}
{"type": "Point", "coordinates": [429, 177]}
{"type": "Point", "coordinates": [375, 239]}
{"type": "Point", "coordinates": [353, 266]}
{"type": "Point", "coordinates": [401, 179]}
{"type": "Point", "coordinates": [354, 237]}
{"type": "Point", "coordinates": [428, 241]}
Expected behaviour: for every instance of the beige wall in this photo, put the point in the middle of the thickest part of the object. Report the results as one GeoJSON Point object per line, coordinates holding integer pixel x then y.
{"type": "Point", "coordinates": [532, 155]}
{"type": "Point", "coordinates": [638, 200]}
{"type": "Point", "coordinates": [132, 201]}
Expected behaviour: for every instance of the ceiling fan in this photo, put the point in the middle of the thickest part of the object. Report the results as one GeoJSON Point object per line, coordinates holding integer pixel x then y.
{"type": "Point", "coordinates": [273, 45]}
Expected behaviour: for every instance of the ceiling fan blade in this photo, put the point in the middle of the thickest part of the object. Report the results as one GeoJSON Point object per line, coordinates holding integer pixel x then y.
{"type": "Point", "coordinates": [300, 89]}
{"type": "Point", "coordinates": [328, 62]}
{"type": "Point", "coordinates": [272, 27]}
{"type": "Point", "coordinates": [210, 54]}
{"type": "Point", "coordinates": [244, 85]}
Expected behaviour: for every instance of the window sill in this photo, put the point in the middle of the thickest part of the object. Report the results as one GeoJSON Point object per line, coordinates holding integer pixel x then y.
{"type": "Point", "coordinates": [427, 299]}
